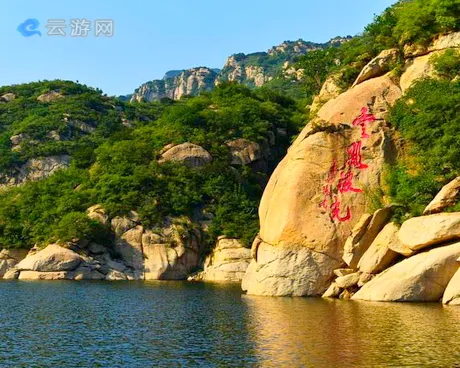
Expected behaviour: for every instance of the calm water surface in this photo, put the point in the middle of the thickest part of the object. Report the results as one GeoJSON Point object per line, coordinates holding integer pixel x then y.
{"type": "Point", "coordinates": [164, 324]}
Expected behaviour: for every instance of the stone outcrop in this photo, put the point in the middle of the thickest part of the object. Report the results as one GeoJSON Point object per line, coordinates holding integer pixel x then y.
{"type": "Point", "coordinates": [447, 197]}
{"type": "Point", "coordinates": [50, 96]}
{"type": "Point", "coordinates": [35, 169]}
{"type": "Point", "coordinates": [7, 97]}
{"type": "Point", "coordinates": [305, 218]}
{"type": "Point", "coordinates": [425, 231]}
{"type": "Point", "coordinates": [253, 70]}
{"type": "Point", "coordinates": [452, 293]}
{"type": "Point", "coordinates": [417, 69]}
{"type": "Point", "coordinates": [245, 152]}
{"type": "Point", "coordinates": [53, 258]}
{"type": "Point", "coordinates": [189, 154]}
{"type": "Point", "coordinates": [363, 235]}
{"type": "Point", "coordinates": [177, 84]}
{"type": "Point", "coordinates": [236, 70]}
{"type": "Point", "coordinates": [98, 214]}
{"type": "Point", "coordinates": [347, 281]}
{"type": "Point", "coordinates": [443, 42]}
{"type": "Point", "coordinates": [379, 255]}
{"type": "Point", "coordinates": [422, 278]}
{"type": "Point", "coordinates": [10, 258]}
{"type": "Point", "coordinates": [288, 271]}
{"type": "Point", "coordinates": [418, 64]}
{"type": "Point", "coordinates": [329, 90]}
{"type": "Point", "coordinates": [378, 66]}
{"type": "Point", "coordinates": [170, 252]}
{"type": "Point", "coordinates": [227, 262]}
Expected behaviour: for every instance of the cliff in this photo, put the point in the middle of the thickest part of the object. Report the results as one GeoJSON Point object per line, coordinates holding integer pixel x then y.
{"type": "Point", "coordinates": [176, 84]}
{"type": "Point", "coordinates": [319, 229]}
{"type": "Point", "coordinates": [253, 70]}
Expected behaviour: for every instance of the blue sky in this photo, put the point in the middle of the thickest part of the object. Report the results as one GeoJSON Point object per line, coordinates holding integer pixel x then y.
{"type": "Point", "coordinates": [152, 37]}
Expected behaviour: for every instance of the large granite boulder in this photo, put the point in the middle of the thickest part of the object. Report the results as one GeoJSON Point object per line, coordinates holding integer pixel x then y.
{"type": "Point", "coordinates": [53, 258]}
{"type": "Point", "coordinates": [443, 42]}
{"type": "Point", "coordinates": [97, 213]}
{"type": "Point", "coordinates": [418, 68]}
{"type": "Point", "coordinates": [448, 196]}
{"type": "Point", "coordinates": [425, 231]}
{"type": "Point", "coordinates": [228, 262]}
{"type": "Point", "coordinates": [10, 258]}
{"type": "Point", "coordinates": [50, 96]}
{"type": "Point", "coordinates": [363, 235]}
{"type": "Point", "coordinates": [378, 66]}
{"type": "Point", "coordinates": [7, 97]}
{"type": "Point", "coordinates": [46, 275]}
{"type": "Point", "coordinates": [35, 169]}
{"type": "Point", "coordinates": [245, 152]}
{"type": "Point", "coordinates": [329, 90]}
{"type": "Point", "coordinates": [129, 248]}
{"type": "Point", "coordinates": [420, 278]}
{"type": "Point", "coordinates": [316, 194]}
{"type": "Point", "coordinates": [379, 255]}
{"type": "Point", "coordinates": [189, 154]}
{"type": "Point", "coordinates": [452, 294]}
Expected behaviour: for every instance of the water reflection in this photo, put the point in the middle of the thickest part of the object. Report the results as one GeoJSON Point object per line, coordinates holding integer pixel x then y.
{"type": "Point", "coordinates": [162, 324]}
{"type": "Point", "coordinates": [321, 333]}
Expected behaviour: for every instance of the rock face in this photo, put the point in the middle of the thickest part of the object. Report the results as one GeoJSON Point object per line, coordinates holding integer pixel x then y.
{"type": "Point", "coordinates": [288, 271]}
{"type": "Point", "coordinates": [363, 235]}
{"type": "Point", "coordinates": [228, 262]}
{"type": "Point", "coordinates": [253, 70]}
{"type": "Point", "coordinates": [170, 252]}
{"type": "Point", "coordinates": [245, 152]}
{"type": "Point", "coordinates": [188, 154]}
{"type": "Point", "coordinates": [379, 255]}
{"type": "Point", "coordinates": [425, 231]}
{"type": "Point", "coordinates": [329, 90]}
{"type": "Point", "coordinates": [447, 197]}
{"type": "Point", "coordinates": [315, 196]}
{"type": "Point", "coordinates": [418, 68]}
{"type": "Point", "coordinates": [389, 238]}
{"type": "Point", "coordinates": [419, 65]}
{"type": "Point", "coordinates": [235, 70]}
{"type": "Point", "coordinates": [129, 247]}
{"type": "Point", "coordinates": [97, 213]}
{"type": "Point", "coordinates": [10, 258]}
{"type": "Point", "coordinates": [378, 66]}
{"type": "Point", "coordinates": [452, 294]}
{"type": "Point", "coordinates": [448, 41]}
{"type": "Point", "coordinates": [35, 169]}
{"type": "Point", "coordinates": [7, 97]}
{"type": "Point", "coordinates": [53, 258]}
{"type": "Point", "coordinates": [175, 85]}
{"type": "Point", "coordinates": [50, 96]}
{"type": "Point", "coordinates": [423, 277]}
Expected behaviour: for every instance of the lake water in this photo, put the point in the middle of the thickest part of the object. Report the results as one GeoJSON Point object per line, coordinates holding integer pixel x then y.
{"type": "Point", "coordinates": [175, 324]}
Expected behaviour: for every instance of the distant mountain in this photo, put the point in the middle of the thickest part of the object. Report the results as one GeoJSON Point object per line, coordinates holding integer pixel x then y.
{"type": "Point", "coordinates": [253, 70]}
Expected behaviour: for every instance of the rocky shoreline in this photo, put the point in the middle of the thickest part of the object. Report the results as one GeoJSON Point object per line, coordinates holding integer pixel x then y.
{"type": "Point", "coordinates": [321, 233]}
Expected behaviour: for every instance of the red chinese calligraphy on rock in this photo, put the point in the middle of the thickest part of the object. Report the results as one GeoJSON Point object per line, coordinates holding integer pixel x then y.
{"type": "Point", "coordinates": [347, 174]}
{"type": "Point", "coordinates": [363, 120]}
{"type": "Point", "coordinates": [355, 159]}
{"type": "Point", "coordinates": [335, 211]}
{"type": "Point", "coordinates": [346, 183]}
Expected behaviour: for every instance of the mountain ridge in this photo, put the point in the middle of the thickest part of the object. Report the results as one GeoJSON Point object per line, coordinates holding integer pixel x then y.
{"type": "Point", "coordinates": [253, 69]}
